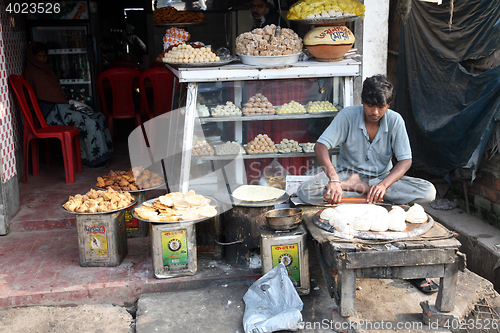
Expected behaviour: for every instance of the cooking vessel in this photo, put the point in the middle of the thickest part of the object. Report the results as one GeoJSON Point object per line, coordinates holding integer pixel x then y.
{"type": "Point", "coordinates": [284, 219]}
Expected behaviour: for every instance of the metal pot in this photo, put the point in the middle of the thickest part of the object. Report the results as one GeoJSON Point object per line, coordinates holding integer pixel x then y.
{"type": "Point", "coordinates": [284, 219]}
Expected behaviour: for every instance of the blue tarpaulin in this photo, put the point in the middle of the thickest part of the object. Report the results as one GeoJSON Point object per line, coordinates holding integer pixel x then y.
{"type": "Point", "coordinates": [448, 111]}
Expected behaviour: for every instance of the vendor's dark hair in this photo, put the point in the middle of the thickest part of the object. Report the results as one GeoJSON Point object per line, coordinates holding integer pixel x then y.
{"type": "Point", "coordinates": [37, 47]}
{"type": "Point", "coordinates": [269, 5]}
{"type": "Point", "coordinates": [377, 90]}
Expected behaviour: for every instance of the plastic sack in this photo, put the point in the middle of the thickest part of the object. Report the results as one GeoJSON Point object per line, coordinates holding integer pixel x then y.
{"type": "Point", "coordinates": [275, 175]}
{"type": "Point", "coordinates": [272, 303]}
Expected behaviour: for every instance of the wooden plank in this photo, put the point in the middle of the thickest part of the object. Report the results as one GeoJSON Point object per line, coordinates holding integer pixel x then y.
{"type": "Point", "coordinates": [441, 243]}
{"type": "Point", "coordinates": [347, 284]}
{"type": "Point", "coordinates": [445, 300]}
{"type": "Point", "coordinates": [413, 272]}
{"type": "Point", "coordinates": [330, 256]}
{"type": "Point", "coordinates": [330, 281]}
{"type": "Point", "coordinates": [399, 258]}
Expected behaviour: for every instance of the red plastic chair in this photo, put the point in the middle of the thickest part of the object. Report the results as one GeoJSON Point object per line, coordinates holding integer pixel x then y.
{"type": "Point", "coordinates": [155, 64]}
{"type": "Point", "coordinates": [121, 83]}
{"type": "Point", "coordinates": [36, 128]}
{"type": "Point", "coordinates": [156, 86]}
{"type": "Point", "coordinates": [124, 64]}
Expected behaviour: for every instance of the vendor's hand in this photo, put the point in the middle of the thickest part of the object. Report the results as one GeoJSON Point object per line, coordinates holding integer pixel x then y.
{"type": "Point", "coordinates": [376, 193]}
{"type": "Point", "coordinates": [333, 193]}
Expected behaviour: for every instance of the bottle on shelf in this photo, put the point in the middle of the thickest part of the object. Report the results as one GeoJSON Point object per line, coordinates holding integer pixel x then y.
{"type": "Point", "coordinates": [83, 67]}
{"type": "Point", "coordinates": [76, 65]}
{"type": "Point", "coordinates": [65, 67]}
{"type": "Point", "coordinates": [82, 96]}
{"type": "Point", "coordinates": [72, 94]}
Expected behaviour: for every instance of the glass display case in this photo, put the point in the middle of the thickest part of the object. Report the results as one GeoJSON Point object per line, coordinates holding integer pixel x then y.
{"type": "Point", "coordinates": [229, 123]}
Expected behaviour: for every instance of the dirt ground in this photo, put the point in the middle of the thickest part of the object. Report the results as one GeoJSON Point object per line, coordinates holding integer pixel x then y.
{"type": "Point", "coordinates": [84, 318]}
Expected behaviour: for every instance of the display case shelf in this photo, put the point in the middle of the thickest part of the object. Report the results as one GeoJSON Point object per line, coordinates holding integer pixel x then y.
{"type": "Point", "coordinates": [205, 120]}
{"type": "Point", "coordinates": [67, 51]}
{"type": "Point", "coordinates": [259, 156]}
{"type": "Point", "coordinates": [74, 81]}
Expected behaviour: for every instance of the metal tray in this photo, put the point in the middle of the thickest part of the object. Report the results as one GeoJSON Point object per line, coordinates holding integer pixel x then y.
{"type": "Point", "coordinates": [99, 213]}
{"type": "Point", "coordinates": [280, 60]}
{"type": "Point", "coordinates": [412, 229]}
{"type": "Point", "coordinates": [213, 202]}
{"type": "Point", "coordinates": [260, 114]}
{"type": "Point", "coordinates": [178, 24]}
{"type": "Point", "coordinates": [326, 113]}
{"type": "Point", "coordinates": [221, 62]}
{"type": "Point", "coordinates": [134, 191]}
{"type": "Point", "coordinates": [217, 145]}
{"type": "Point", "coordinates": [224, 116]}
{"type": "Point", "coordinates": [327, 20]}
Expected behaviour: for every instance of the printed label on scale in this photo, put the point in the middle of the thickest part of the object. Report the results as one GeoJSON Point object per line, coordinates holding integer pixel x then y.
{"type": "Point", "coordinates": [97, 242]}
{"type": "Point", "coordinates": [288, 255]}
{"type": "Point", "coordinates": [130, 220]}
{"type": "Point", "coordinates": [174, 246]}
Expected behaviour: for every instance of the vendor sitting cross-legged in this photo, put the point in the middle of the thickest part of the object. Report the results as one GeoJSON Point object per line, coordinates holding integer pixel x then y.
{"type": "Point", "coordinates": [369, 135]}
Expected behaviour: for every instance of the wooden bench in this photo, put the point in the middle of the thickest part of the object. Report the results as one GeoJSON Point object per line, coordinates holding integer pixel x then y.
{"type": "Point", "coordinates": [431, 255]}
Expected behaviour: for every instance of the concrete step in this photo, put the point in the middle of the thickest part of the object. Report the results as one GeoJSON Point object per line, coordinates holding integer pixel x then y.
{"type": "Point", "coordinates": [480, 241]}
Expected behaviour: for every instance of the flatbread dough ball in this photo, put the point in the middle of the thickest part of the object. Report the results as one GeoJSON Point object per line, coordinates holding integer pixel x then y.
{"type": "Point", "coordinates": [380, 222]}
{"type": "Point", "coordinates": [416, 214]}
{"type": "Point", "coordinates": [397, 222]}
{"type": "Point", "coordinates": [363, 222]}
{"type": "Point", "coordinates": [327, 214]}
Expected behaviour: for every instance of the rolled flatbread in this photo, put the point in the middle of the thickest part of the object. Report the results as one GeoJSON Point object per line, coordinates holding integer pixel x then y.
{"type": "Point", "coordinates": [257, 193]}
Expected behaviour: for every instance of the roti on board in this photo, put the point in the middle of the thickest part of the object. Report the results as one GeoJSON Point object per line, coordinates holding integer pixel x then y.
{"type": "Point", "coordinates": [257, 193]}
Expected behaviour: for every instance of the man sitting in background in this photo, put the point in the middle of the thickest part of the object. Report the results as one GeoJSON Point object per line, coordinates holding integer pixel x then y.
{"type": "Point", "coordinates": [263, 13]}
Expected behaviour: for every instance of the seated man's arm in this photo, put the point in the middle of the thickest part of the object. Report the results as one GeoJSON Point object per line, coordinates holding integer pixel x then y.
{"type": "Point", "coordinates": [377, 192]}
{"type": "Point", "coordinates": [333, 189]}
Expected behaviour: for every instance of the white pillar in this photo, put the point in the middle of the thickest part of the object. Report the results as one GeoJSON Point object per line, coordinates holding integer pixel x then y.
{"type": "Point", "coordinates": [375, 37]}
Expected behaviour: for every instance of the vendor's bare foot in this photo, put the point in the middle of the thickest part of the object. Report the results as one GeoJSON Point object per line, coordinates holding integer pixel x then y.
{"type": "Point", "coordinates": [354, 183]}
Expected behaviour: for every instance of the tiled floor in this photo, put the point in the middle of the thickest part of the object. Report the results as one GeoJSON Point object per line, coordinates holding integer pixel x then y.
{"type": "Point", "coordinates": [39, 258]}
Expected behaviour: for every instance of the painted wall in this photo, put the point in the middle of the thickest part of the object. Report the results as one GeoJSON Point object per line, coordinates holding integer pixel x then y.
{"type": "Point", "coordinates": [375, 37]}
{"type": "Point", "coordinates": [12, 51]}
{"type": "Point", "coordinates": [12, 55]}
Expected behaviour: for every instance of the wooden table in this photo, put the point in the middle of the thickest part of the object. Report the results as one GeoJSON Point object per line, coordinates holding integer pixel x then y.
{"type": "Point", "coordinates": [433, 254]}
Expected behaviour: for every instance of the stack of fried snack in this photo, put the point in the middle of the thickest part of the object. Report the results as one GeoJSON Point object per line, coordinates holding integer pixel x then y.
{"type": "Point", "coordinates": [171, 15]}
{"type": "Point", "coordinates": [265, 42]}
{"type": "Point", "coordinates": [202, 147]}
{"type": "Point", "coordinates": [98, 201]}
{"type": "Point", "coordinates": [289, 146]}
{"type": "Point", "coordinates": [133, 180]}
{"type": "Point", "coordinates": [261, 144]}
{"type": "Point", "coordinates": [257, 104]}
{"type": "Point", "coordinates": [176, 206]}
